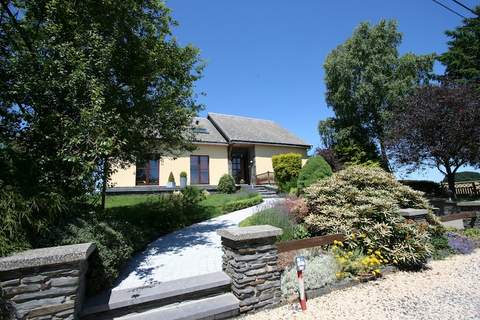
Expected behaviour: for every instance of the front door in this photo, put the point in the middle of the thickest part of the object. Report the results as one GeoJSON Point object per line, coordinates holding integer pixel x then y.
{"type": "Point", "coordinates": [239, 168]}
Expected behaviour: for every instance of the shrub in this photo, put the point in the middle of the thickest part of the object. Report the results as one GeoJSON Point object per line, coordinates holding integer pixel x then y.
{"type": "Point", "coordinates": [315, 169]}
{"type": "Point", "coordinates": [472, 233]}
{"type": "Point", "coordinates": [277, 216]}
{"type": "Point", "coordinates": [353, 262]}
{"type": "Point", "coordinates": [171, 178]}
{"type": "Point", "coordinates": [287, 167]}
{"type": "Point", "coordinates": [363, 204]}
{"type": "Point", "coordinates": [226, 184]}
{"type": "Point", "coordinates": [242, 204]}
{"type": "Point", "coordinates": [320, 272]}
{"type": "Point", "coordinates": [441, 249]}
{"type": "Point", "coordinates": [297, 207]}
{"type": "Point", "coordinates": [183, 174]}
{"type": "Point", "coordinates": [429, 187]}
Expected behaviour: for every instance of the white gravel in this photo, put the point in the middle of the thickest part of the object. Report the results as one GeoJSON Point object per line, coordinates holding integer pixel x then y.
{"type": "Point", "coordinates": [449, 290]}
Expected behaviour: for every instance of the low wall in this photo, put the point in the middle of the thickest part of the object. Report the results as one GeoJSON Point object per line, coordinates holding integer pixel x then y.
{"type": "Point", "coordinates": [250, 258]}
{"type": "Point", "coordinates": [46, 283]}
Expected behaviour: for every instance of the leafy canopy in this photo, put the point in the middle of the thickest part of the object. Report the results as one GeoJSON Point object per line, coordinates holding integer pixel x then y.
{"type": "Point", "coordinates": [437, 126]}
{"type": "Point", "coordinates": [85, 83]}
{"type": "Point", "coordinates": [463, 55]}
{"type": "Point", "coordinates": [365, 76]}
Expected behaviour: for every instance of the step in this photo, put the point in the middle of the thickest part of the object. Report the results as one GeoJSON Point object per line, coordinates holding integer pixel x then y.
{"type": "Point", "coordinates": [120, 302]}
{"type": "Point", "coordinates": [219, 307]}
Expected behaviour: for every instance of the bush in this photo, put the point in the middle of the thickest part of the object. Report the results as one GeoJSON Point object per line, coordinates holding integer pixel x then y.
{"type": "Point", "coordinates": [315, 169]}
{"type": "Point", "coordinates": [441, 249]}
{"type": "Point", "coordinates": [226, 184]}
{"type": "Point", "coordinates": [428, 187]}
{"type": "Point", "coordinates": [183, 174]}
{"type": "Point", "coordinates": [242, 204]}
{"type": "Point", "coordinates": [320, 272]}
{"type": "Point", "coordinates": [287, 168]}
{"type": "Point", "coordinates": [171, 178]}
{"type": "Point", "coordinates": [363, 203]}
{"type": "Point", "coordinates": [277, 217]}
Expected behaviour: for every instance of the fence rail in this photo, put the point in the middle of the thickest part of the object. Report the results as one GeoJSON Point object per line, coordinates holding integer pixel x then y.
{"type": "Point", "coordinates": [309, 243]}
{"type": "Point", "coordinates": [465, 188]}
{"type": "Point", "coordinates": [265, 178]}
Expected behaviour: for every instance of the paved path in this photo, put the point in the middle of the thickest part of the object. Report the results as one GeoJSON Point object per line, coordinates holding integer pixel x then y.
{"type": "Point", "coordinates": [192, 251]}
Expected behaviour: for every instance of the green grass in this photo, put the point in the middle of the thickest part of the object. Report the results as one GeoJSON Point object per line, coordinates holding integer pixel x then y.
{"type": "Point", "coordinates": [274, 217]}
{"type": "Point", "coordinates": [128, 200]}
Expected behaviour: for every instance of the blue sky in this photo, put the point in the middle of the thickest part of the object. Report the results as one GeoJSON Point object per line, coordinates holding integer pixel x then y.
{"type": "Point", "coordinates": [264, 58]}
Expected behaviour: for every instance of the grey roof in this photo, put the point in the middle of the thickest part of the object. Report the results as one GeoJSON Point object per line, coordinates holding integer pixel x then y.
{"type": "Point", "coordinates": [210, 134]}
{"type": "Point", "coordinates": [251, 130]}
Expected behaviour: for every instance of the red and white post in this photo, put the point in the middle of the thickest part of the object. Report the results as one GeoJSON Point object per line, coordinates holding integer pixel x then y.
{"type": "Point", "coordinates": [300, 263]}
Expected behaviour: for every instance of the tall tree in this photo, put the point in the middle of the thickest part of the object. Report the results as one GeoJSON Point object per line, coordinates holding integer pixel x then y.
{"type": "Point", "coordinates": [462, 60]}
{"type": "Point", "coordinates": [87, 85]}
{"type": "Point", "coordinates": [365, 76]}
{"type": "Point", "coordinates": [438, 126]}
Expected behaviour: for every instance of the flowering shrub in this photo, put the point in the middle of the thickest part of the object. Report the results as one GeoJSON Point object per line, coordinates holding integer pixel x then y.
{"type": "Point", "coordinates": [354, 262]}
{"type": "Point", "coordinates": [459, 243]}
{"type": "Point", "coordinates": [297, 207]}
{"type": "Point", "coordinates": [364, 203]}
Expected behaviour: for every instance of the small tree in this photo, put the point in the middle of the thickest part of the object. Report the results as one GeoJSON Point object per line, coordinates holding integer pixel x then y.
{"type": "Point", "coordinates": [315, 169]}
{"type": "Point", "coordinates": [287, 167]}
{"type": "Point", "coordinates": [226, 184]}
{"type": "Point", "coordinates": [438, 126]}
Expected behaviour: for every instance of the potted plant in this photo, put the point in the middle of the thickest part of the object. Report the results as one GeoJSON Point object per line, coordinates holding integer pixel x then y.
{"type": "Point", "coordinates": [171, 181]}
{"type": "Point", "coordinates": [183, 179]}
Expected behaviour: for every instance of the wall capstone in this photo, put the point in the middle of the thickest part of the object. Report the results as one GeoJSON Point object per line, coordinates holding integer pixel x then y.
{"type": "Point", "coordinates": [47, 283]}
{"type": "Point", "coordinates": [250, 258]}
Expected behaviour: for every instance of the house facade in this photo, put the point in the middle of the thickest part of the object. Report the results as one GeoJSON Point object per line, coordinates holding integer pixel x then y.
{"type": "Point", "coordinates": [240, 146]}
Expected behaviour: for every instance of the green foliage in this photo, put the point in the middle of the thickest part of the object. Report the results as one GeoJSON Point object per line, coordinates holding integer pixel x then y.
{"type": "Point", "coordinates": [183, 174]}
{"type": "Point", "coordinates": [441, 249]}
{"type": "Point", "coordinates": [242, 204]}
{"type": "Point", "coordinates": [461, 59]}
{"type": "Point", "coordinates": [91, 85]}
{"type": "Point", "coordinates": [465, 176]}
{"type": "Point", "coordinates": [315, 169]}
{"type": "Point", "coordinates": [226, 184]}
{"type": "Point", "coordinates": [363, 204]}
{"type": "Point", "coordinates": [365, 76]}
{"type": "Point", "coordinates": [472, 233]}
{"type": "Point", "coordinates": [320, 272]}
{"type": "Point", "coordinates": [429, 187]}
{"type": "Point", "coordinates": [280, 218]}
{"type": "Point", "coordinates": [171, 178]}
{"type": "Point", "coordinates": [287, 167]}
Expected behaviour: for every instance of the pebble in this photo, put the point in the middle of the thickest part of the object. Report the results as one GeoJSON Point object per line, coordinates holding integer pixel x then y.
{"type": "Point", "coordinates": [448, 290]}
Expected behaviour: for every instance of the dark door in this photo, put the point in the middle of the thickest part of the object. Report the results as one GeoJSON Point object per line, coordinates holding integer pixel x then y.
{"type": "Point", "coordinates": [239, 168]}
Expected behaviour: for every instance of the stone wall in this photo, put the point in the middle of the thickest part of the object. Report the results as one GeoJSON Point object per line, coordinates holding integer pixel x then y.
{"type": "Point", "coordinates": [45, 283]}
{"type": "Point", "coordinates": [250, 258]}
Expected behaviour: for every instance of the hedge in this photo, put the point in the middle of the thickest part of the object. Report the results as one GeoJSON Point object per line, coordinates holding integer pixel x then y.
{"type": "Point", "coordinates": [242, 204]}
{"type": "Point", "coordinates": [287, 167]}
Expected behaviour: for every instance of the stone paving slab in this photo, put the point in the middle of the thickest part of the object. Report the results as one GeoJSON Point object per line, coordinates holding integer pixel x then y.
{"type": "Point", "coordinates": [188, 252]}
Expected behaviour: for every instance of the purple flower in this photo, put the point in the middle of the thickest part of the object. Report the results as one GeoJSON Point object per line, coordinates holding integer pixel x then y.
{"type": "Point", "coordinates": [459, 243]}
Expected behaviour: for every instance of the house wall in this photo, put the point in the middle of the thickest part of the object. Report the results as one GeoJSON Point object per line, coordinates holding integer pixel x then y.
{"type": "Point", "coordinates": [264, 153]}
{"type": "Point", "coordinates": [218, 166]}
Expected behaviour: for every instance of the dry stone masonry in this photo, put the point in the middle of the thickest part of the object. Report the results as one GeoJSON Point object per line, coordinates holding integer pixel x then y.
{"type": "Point", "coordinates": [45, 284]}
{"type": "Point", "coordinates": [250, 258]}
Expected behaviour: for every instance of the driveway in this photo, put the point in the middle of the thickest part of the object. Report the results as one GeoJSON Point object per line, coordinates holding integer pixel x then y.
{"type": "Point", "coordinates": [188, 252]}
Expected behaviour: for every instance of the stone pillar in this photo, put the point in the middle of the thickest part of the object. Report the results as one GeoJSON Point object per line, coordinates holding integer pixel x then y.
{"type": "Point", "coordinates": [250, 258]}
{"type": "Point", "coordinates": [46, 283]}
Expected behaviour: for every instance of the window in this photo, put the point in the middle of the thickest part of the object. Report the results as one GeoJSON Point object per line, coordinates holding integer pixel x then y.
{"type": "Point", "coordinates": [147, 172]}
{"type": "Point", "coordinates": [199, 170]}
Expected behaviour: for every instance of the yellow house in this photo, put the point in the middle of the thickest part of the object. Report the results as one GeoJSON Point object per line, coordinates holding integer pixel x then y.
{"type": "Point", "coordinates": [240, 146]}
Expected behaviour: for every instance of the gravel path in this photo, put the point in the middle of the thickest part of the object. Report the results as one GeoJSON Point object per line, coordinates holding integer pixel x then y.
{"type": "Point", "coordinates": [188, 252]}
{"type": "Point", "coordinates": [449, 290]}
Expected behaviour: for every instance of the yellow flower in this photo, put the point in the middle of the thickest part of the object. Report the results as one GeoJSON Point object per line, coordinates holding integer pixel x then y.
{"type": "Point", "coordinates": [378, 253]}
{"type": "Point", "coordinates": [377, 271]}
{"type": "Point", "coordinates": [369, 250]}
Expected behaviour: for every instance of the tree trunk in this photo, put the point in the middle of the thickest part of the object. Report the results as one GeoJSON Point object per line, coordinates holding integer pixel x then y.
{"type": "Point", "coordinates": [451, 181]}
{"type": "Point", "coordinates": [383, 157]}
{"type": "Point", "coordinates": [104, 181]}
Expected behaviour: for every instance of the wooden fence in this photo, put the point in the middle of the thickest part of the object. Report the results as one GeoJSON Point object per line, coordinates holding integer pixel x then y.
{"type": "Point", "coordinates": [265, 178]}
{"type": "Point", "coordinates": [466, 188]}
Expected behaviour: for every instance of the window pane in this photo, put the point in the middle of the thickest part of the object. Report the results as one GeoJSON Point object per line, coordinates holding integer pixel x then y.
{"type": "Point", "coordinates": [204, 177]}
{"type": "Point", "coordinates": [153, 172]}
{"type": "Point", "coordinates": [203, 163]}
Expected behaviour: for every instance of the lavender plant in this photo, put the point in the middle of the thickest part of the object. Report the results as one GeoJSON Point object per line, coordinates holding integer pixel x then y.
{"type": "Point", "coordinates": [460, 243]}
